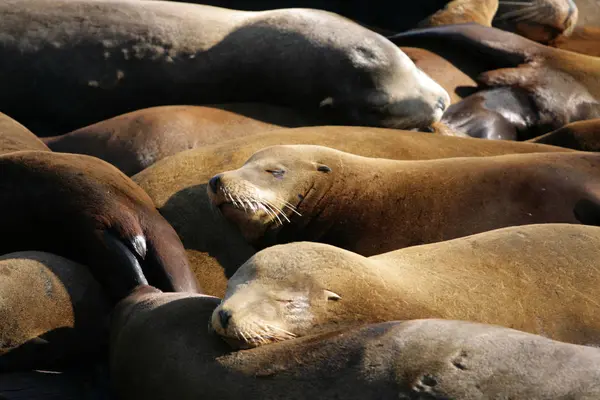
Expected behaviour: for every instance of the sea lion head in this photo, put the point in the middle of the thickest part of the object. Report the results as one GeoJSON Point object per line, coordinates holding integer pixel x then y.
{"type": "Point", "coordinates": [276, 186]}
{"type": "Point", "coordinates": [379, 85]}
{"type": "Point", "coordinates": [282, 292]}
{"type": "Point", "coordinates": [539, 20]}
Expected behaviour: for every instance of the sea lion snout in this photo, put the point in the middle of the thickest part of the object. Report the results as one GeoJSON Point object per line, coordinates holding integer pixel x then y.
{"type": "Point", "coordinates": [224, 318]}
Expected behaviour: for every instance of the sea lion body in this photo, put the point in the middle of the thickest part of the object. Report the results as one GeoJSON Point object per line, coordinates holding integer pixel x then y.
{"type": "Point", "coordinates": [177, 185]}
{"type": "Point", "coordinates": [558, 86]}
{"type": "Point", "coordinates": [84, 209]}
{"type": "Point", "coordinates": [175, 53]}
{"type": "Point", "coordinates": [136, 140]}
{"type": "Point", "coordinates": [372, 205]}
{"type": "Point", "coordinates": [15, 137]}
{"type": "Point", "coordinates": [52, 311]}
{"type": "Point", "coordinates": [581, 135]}
{"type": "Point", "coordinates": [415, 359]}
{"type": "Point", "coordinates": [535, 278]}
{"type": "Point", "coordinates": [584, 40]}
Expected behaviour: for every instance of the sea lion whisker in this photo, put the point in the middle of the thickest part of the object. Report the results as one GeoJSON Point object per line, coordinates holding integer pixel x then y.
{"type": "Point", "coordinates": [274, 213]}
{"type": "Point", "coordinates": [279, 210]}
{"type": "Point", "coordinates": [276, 328]}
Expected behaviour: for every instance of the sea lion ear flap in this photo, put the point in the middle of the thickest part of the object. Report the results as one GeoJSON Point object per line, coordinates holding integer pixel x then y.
{"type": "Point", "coordinates": [329, 295]}
{"type": "Point", "coordinates": [326, 102]}
{"type": "Point", "coordinates": [323, 168]}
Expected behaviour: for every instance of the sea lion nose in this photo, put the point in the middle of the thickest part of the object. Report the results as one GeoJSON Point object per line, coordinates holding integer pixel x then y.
{"type": "Point", "coordinates": [224, 317]}
{"type": "Point", "coordinates": [214, 183]}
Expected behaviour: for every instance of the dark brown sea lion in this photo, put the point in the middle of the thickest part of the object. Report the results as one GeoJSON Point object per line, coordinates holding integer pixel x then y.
{"type": "Point", "coordinates": [86, 210]}
{"type": "Point", "coordinates": [177, 185]}
{"type": "Point", "coordinates": [582, 135]}
{"type": "Point", "coordinates": [52, 312]}
{"type": "Point", "coordinates": [175, 53]}
{"type": "Point", "coordinates": [161, 349]}
{"type": "Point", "coordinates": [535, 278]}
{"type": "Point", "coordinates": [584, 40]}
{"type": "Point", "coordinates": [136, 140]}
{"type": "Point", "coordinates": [551, 87]}
{"type": "Point", "coordinates": [373, 205]}
{"type": "Point", "coordinates": [539, 20]}
{"type": "Point", "coordinates": [15, 137]}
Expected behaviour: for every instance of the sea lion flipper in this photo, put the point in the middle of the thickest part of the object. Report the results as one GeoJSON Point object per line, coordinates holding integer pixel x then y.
{"type": "Point", "coordinates": [506, 48]}
{"type": "Point", "coordinates": [521, 76]}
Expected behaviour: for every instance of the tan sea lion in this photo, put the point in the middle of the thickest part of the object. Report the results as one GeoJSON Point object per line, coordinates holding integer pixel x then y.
{"type": "Point", "coordinates": [15, 137]}
{"type": "Point", "coordinates": [433, 359]}
{"type": "Point", "coordinates": [86, 210]}
{"type": "Point", "coordinates": [549, 87]}
{"type": "Point", "coordinates": [535, 278]}
{"type": "Point", "coordinates": [136, 140]}
{"type": "Point", "coordinates": [176, 53]}
{"type": "Point", "coordinates": [177, 185]}
{"type": "Point", "coordinates": [589, 12]}
{"type": "Point", "coordinates": [52, 312]}
{"type": "Point", "coordinates": [584, 40]}
{"type": "Point", "coordinates": [539, 20]}
{"type": "Point", "coordinates": [373, 205]}
{"type": "Point", "coordinates": [581, 135]}
{"type": "Point", "coordinates": [463, 11]}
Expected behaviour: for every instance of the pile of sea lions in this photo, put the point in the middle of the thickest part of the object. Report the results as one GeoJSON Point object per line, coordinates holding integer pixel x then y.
{"type": "Point", "coordinates": [299, 199]}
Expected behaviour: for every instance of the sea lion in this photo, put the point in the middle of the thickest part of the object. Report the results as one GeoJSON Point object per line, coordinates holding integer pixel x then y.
{"type": "Point", "coordinates": [136, 140]}
{"type": "Point", "coordinates": [175, 53]}
{"type": "Point", "coordinates": [584, 40]}
{"type": "Point", "coordinates": [177, 185]}
{"type": "Point", "coordinates": [539, 20]}
{"type": "Point", "coordinates": [52, 312]}
{"type": "Point", "coordinates": [535, 278]}
{"type": "Point", "coordinates": [433, 359]}
{"type": "Point", "coordinates": [373, 205]}
{"type": "Point", "coordinates": [463, 11]}
{"type": "Point", "coordinates": [15, 137]}
{"type": "Point", "coordinates": [86, 210]}
{"type": "Point", "coordinates": [582, 135]}
{"type": "Point", "coordinates": [559, 86]}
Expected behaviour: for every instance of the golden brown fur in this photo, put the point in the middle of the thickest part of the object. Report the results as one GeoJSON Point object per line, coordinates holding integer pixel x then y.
{"type": "Point", "coordinates": [51, 311]}
{"type": "Point", "coordinates": [177, 185]}
{"type": "Point", "coordinates": [581, 135]}
{"type": "Point", "coordinates": [456, 82]}
{"type": "Point", "coordinates": [136, 140]}
{"type": "Point", "coordinates": [463, 11]}
{"type": "Point", "coordinates": [373, 205]}
{"type": "Point", "coordinates": [15, 137]}
{"type": "Point", "coordinates": [161, 350]}
{"type": "Point", "coordinates": [536, 278]}
{"type": "Point", "coordinates": [84, 209]}
{"type": "Point", "coordinates": [584, 40]}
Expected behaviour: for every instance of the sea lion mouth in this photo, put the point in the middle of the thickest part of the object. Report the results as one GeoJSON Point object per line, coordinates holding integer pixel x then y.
{"type": "Point", "coordinates": [251, 204]}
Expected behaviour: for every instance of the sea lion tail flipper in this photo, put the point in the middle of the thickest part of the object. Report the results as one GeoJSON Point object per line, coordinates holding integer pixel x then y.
{"type": "Point", "coordinates": [588, 211]}
{"type": "Point", "coordinates": [507, 48]}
